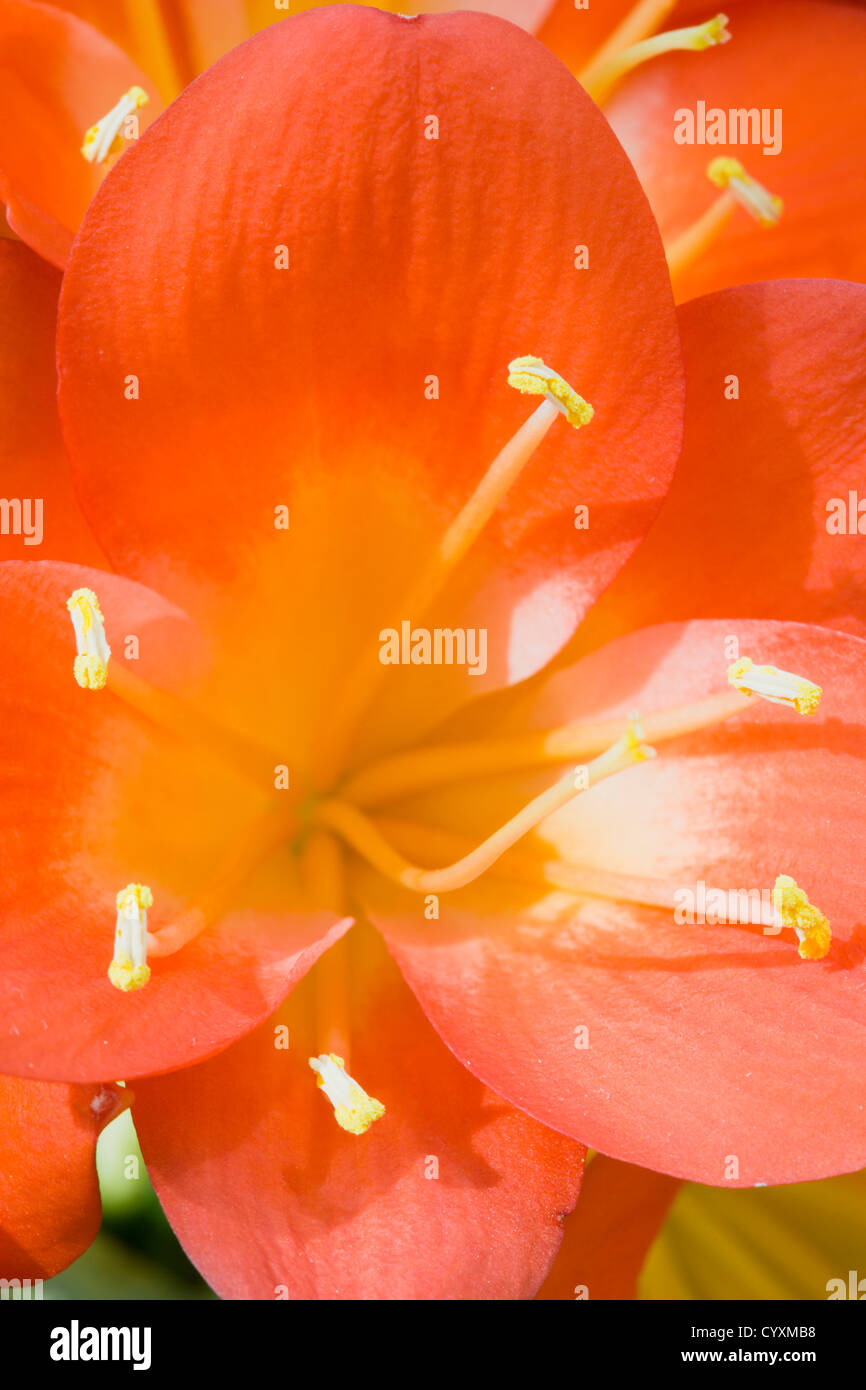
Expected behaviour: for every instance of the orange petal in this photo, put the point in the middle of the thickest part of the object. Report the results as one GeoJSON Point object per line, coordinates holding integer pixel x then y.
{"type": "Point", "coordinates": [607, 1237]}
{"type": "Point", "coordinates": [676, 1045]}
{"type": "Point", "coordinates": [452, 1193]}
{"type": "Point", "coordinates": [99, 795]}
{"type": "Point", "coordinates": [33, 463]}
{"type": "Point", "coordinates": [49, 1196]}
{"type": "Point", "coordinates": [771, 468]}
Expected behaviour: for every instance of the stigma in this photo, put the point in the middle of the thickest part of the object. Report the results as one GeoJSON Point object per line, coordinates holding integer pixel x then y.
{"type": "Point", "coordinates": [354, 1110]}
{"type": "Point", "coordinates": [129, 968]}
{"type": "Point", "coordinates": [105, 138]}
{"type": "Point", "coordinates": [707, 35]}
{"type": "Point", "coordinates": [531, 376]}
{"type": "Point", "coordinates": [729, 174]}
{"type": "Point", "coordinates": [794, 910]}
{"type": "Point", "coordinates": [91, 662]}
{"type": "Point", "coordinates": [779, 687]}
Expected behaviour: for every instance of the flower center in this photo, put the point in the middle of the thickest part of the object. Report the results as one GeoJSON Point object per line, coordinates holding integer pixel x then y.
{"type": "Point", "coordinates": [316, 830]}
{"type": "Point", "coordinates": [395, 777]}
{"type": "Point", "coordinates": [359, 832]}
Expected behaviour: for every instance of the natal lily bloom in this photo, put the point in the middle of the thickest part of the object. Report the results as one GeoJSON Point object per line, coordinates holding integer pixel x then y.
{"type": "Point", "coordinates": [283, 376]}
{"type": "Point", "coordinates": [797, 65]}
{"type": "Point", "coordinates": [423, 419]}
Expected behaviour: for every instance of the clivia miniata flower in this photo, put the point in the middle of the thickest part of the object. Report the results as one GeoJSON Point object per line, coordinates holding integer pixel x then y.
{"type": "Point", "coordinates": [380, 948]}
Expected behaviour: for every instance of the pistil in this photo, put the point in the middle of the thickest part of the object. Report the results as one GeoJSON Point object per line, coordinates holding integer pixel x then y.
{"type": "Point", "coordinates": [523, 865]}
{"type": "Point", "coordinates": [360, 832]}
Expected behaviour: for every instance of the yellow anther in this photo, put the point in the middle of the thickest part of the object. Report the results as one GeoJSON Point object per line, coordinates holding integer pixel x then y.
{"type": "Point", "coordinates": [91, 663]}
{"type": "Point", "coordinates": [129, 969]}
{"type": "Point", "coordinates": [794, 910]}
{"type": "Point", "coordinates": [530, 375]}
{"type": "Point", "coordinates": [729, 173]}
{"type": "Point", "coordinates": [354, 1110]}
{"type": "Point", "coordinates": [106, 137]}
{"type": "Point", "coordinates": [134, 893]}
{"type": "Point", "coordinates": [779, 687]}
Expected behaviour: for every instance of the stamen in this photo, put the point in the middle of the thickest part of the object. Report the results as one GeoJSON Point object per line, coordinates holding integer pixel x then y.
{"type": "Point", "coordinates": [360, 832]}
{"type": "Point", "coordinates": [129, 969]}
{"type": "Point", "coordinates": [104, 138]}
{"type": "Point", "coordinates": [689, 245]}
{"type": "Point", "coordinates": [361, 683]}
{"type": "Point", "coordinates": [738, 189]}
{"type": "Point", "coordinates": [354, 1110]}
{"type": "Point", "coordinates": [729, 173]}
{"type": "Point", "coordinates": [794, 910]}
{"type": "Point", "coordinates": [395, 777]}
{"type": "Point", "coordinates": [524, 865]}
{"type": "Point", "coordinates": [164, 709]}
{"type": "Point", "coordinates": [533, 378]}
{"type": "Point", "coordinates": [322, 875]}
{"type": "Point", "coordinates": [610, 66]}
{"type": "Point", "coordinates": [91, 663]}
{"type": "Point", "coordinates": [779, 687]}
{"type": "Point", "coordinates": [641, 21]}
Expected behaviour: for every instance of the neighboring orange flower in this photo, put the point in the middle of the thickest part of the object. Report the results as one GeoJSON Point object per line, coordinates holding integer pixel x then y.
{"type": "Point", "coordinates": [645, 61]}
{"type": "Point", "coordinates": [800, 61]}
{"type": "Point", "coordinates": [58, 76]}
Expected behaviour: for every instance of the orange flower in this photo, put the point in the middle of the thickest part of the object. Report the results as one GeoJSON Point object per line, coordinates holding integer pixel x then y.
{"type": "Point", "coordinates": [284, 331]}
